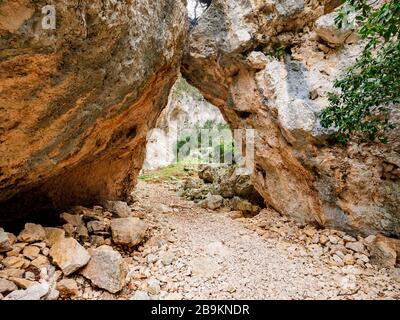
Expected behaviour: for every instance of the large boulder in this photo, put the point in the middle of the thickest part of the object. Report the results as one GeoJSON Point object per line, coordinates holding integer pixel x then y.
{"type": "Point", "coordinates": [77, 100]}
{"type": "Point", "coordinates": [384, 251]}
{"type": "Point", "coordinates": [69, 255]}
{"type": "Point", "coordinates": [326, 28]}
{"type": "Point", "coordinates": [128, 231]}
{"type": "Point", "coordinates": [106, 269]}
{"type": "Point", "coordinates": [296, 168]}
{"type": "Point", "coordinates": [32, 233]}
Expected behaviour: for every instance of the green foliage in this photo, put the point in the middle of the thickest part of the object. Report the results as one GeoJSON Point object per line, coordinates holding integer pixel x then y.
{"type": "Point", "coordinates": [174, 171]}
{"type": "Point", "coordinates": [276, 50]}
{"type": "Point", "coordinates": [218, 129]}
{"type": "Point", "coordinates": [372, 85]}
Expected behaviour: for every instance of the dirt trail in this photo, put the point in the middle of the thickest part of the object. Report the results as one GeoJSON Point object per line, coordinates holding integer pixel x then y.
{"type": "Point", "coordinates": [195, 253]}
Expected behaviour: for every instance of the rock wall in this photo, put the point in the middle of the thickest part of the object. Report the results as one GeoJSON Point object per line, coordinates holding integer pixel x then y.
{"type": "Point", "coordinates": [186, 109]}
{"type": "Point", "coordinates": [269, 65]}
{"type": "Point", "coordinates": [77, 101]}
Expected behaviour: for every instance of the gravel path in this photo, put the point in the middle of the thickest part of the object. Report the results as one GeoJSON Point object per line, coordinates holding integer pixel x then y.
{"type": "Point", "coordinates": [195, 253]}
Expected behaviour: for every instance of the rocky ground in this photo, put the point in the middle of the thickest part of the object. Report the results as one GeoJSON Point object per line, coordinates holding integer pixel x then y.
{"type": "Point", "coordinates": [163, 246]}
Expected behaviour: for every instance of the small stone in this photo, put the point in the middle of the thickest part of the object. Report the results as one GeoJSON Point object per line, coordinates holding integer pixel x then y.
{"type": "Point", "coordinates": [74, 219]}
{"type": "Point", "coordinates": [316, 250]}
{"type": "Point", "coordinates": [39, 245]}
{"type": "Point", "coordinates": [98, 226]}
{"type": "Point", "coordinates": [140, 295]}
{"type": "Point", "coordinates": [32, 233]}
{"type": "Point", "coordinates": [120, 208]}
{"type": "Point", "coordinates": [153, 287]}
{"type": "Point", "coordinates": [53, 235]}
{"type": "Point", "coordinates": [23, 283]}
{"type": "Point", "coordinates": [15, 262]}
{"type": "Point", "coordinates": [204, 267]}
{"type": "Point", "coordinates": [348, 238]}
{"type": "Point", "coordinates": [128, 231]}
{"type": "Point", "coordinates": [69, 229]}
{"type": "Point", "coordinates": [396, 274]}
{"type": "Point", "coordinates": [167, 258]}
{"type": "Point", "coordinates": [30, 276]}
{"type": "Point", "coordinates": [174, 296]}
{"type": "Point", "coordinates": [151, 258]}
{"type": "Point", "coordinates": [333, 239]}
{"type": "Point", "coordinates": [257, 60]}
{"type": "Point", "coordinates": [45, 251]}
{"type": "Point", "coordinates": [35, 292]}
{"type": "Point", "coordinates": [162, 208]}
{"type": "Point", "coordinates": [310, 231]}
{"type": "Point", "coordinates": [326, 28]}
{"type": "Point", "coordinates": [349, 259]}
{"type": "Point", "coordinates": [362, 257]}
{"type": "Point", "coordinates": [53, 295]}
{"type": "Point", "coordinates": [14, 252]}
{"type": "Point", "coordinates": [383, 252]}
{"type": "Point", "coordinates": [5, 243]}
{"type": "Point", "coordinates": [67, 288]}
{"type": "Point", "coordinates": [11, 272]}
{"type": "Point", "coordinates": [31, 252]}
{"type": "Point", "coordinates": [323, 239]}
{"type": "Point", "coordinates": [236, 215]}
{"type": "Point", "coordinates": [355, 246]}
{"type": "Point", "coordinates": [107, 296]}
{"type": "Point", "coordinates": [337, 260]}
{"type": "Point", "coordinates": [106, 269]}
{"type": "Point", "coordinates": [7, 286]}
{"type": "Point", "coordinates": [40, 262]}
{"type": "Point", "coordinates": [370, 239]}
{"type": "Point", "coordinates": [314, 94]}
{"type": "Point", "coordinates": [212, 202]}
{"type": "Point", "coordinates": [96, 241]}
{"type": "Point", "coordinates": [69, 255]}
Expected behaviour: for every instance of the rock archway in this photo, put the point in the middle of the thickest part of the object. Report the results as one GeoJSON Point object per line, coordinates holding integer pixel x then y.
{"type": "Point", "coordinates": [77, 102]}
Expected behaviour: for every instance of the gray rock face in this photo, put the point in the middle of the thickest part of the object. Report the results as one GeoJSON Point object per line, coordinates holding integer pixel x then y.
{"type": "Point", "coordinates": [128, 231]}
{"type": "Point", "coordinates": [69, 255]}
{"type": "Point", "coordinates": [297, 171]}
{"type": "Point", "coordinates": [106, 269]}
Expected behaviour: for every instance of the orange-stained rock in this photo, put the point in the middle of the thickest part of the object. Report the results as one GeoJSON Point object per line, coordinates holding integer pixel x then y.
{"type": "Point", "coordinates": [77, 102]}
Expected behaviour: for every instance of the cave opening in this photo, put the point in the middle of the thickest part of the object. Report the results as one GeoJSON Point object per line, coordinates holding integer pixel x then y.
{"type": "Point", "coordinates": [195, 151]}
